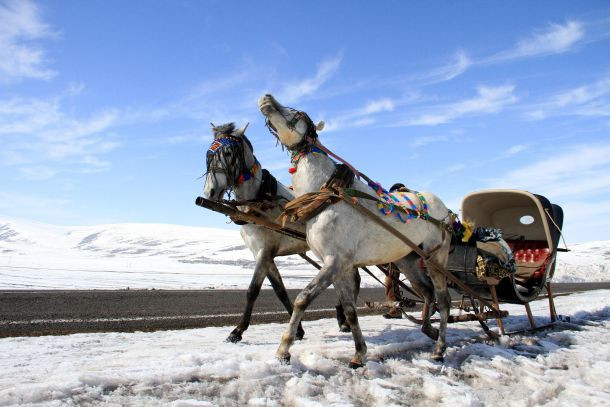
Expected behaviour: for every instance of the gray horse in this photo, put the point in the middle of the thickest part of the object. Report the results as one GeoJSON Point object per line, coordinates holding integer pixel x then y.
{"type": "Point", "coordinates": [344, 238]}
{"type": "Point", "coordinates": [232, 166]}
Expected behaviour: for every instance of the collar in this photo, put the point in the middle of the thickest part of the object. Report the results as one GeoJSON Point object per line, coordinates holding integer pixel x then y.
{"type": "Point", "coordinates": [302, 151]}
{"type": "Point", "coordinates": [249, 172]}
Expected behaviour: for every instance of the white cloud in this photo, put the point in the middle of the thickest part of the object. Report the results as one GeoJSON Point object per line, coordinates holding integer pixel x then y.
{"type": "Point", "coordinates": [199, 138]}
{"type": "Point", "coordinates": [222, 84]}
{"type": "Point", "coordinates": [457, 167]}
{"type": "Point", "coordinates": [583, 169]}
{"type": "Point", "coordinates": [361, 116]}
{"type": "Point", "coordinates": [446, 73]}
{"type": "Point", "coordinates": [554, 39]}
{"type": "Point", "coordinates": [518, 148]}
{"type": "Point", "coordinates": [376, 106]}
{"type": "Point", "coordinates": [424, 140]}
{"type": "Point", "coordinates": [489, 99]}
{"type": "Point", "coordinates": [295, 91]}
{"type": "Point", "coordinates": [38, 172]}
{"type": "Point", "coordinates": [585, 100]}
{"type": "Point", "coordinates": [41, 138]}
{"type": "Point", "coordinates": [578, 179]}
{"type": "Point", "coordinates": [20, 27]}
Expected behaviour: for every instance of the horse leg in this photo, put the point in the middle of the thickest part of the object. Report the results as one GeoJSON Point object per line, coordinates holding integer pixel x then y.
{"type": "Point", "coordinates": [278, 286]}
{"type": "Point", "coordinates": [305, 297]}
{"type": "Point", "coordinates": [443, 299]}
{"type": "Point", "coordinates": [346, 287]}
{"type": "Point", "coordinates": [341, 318]}
{"type": "Point", "coordinates": [409, 266]}
{"type": "Point", "coordinates": [263, 261]}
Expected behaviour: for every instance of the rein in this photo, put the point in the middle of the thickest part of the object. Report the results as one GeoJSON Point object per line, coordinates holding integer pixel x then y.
{"type": "Point", "coordinates": [316, 143]}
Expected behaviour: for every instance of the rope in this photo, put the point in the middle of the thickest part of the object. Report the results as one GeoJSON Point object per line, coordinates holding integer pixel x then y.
{"type": "Point", "coordinates": [316, 142]}
{"type": "Point", "coordinates": [306, 206]}
{"type": "Point", "coordinates": [558, 228]}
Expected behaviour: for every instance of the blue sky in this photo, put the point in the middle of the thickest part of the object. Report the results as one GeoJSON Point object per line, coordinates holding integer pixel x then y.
{"type": "Point", "coordinates": [105, 105]}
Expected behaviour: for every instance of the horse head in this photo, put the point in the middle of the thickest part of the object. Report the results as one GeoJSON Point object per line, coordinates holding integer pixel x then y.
{"type": "Point", "coordinates": [230, 161]}
{"type": "Point", "coordinates": [291, 127]}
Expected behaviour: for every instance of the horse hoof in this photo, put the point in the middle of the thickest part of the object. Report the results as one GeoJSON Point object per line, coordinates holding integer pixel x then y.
{"type": "Point", "coordinates": [438, 357]}
{"type": "Point", "coordinates": [355, 365]}
{"type": "Point", "coordinates": [234, 337]}
{"type": "Point", "coordinates": [284, 360]}
{"type": "Point", "coordinates": [345, 328]}
{"type": "Point", "coordinates": [431, 333]}
{"type": "Point", "coordinates": [300, 334]}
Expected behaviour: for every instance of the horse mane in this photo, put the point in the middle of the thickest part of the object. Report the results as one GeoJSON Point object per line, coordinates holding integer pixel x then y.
{"type": "Point", "coordinates": [223, 129]}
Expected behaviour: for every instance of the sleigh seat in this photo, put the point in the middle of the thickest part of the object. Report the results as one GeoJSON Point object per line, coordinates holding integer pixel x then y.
{"type": "Point", "coordinates": [531, 257]}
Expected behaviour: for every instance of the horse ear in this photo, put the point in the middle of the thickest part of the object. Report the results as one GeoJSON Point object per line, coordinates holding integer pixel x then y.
{"type": "Point", "coordinates": [242, 131]}
{"type": "Point", "coordinates": [320, 125]}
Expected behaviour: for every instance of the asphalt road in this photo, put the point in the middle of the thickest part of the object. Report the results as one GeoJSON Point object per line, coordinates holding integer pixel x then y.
{"type": "Point", "coordinates": [49, 312]}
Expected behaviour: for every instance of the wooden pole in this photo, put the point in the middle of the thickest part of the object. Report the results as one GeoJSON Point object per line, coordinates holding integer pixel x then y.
{"type": "Point", "coordinates": [529, 315]}
{"type": "Point", "coordinates": [551, 302]}
{"type": "Point", "coordinates": [310, 260]}
{"type": "Point", "coordinates": [257, 220]}
{"type": "Point", "coordinates": [494, 296]}
{"type": "Point", "coordinates": [461, 305]}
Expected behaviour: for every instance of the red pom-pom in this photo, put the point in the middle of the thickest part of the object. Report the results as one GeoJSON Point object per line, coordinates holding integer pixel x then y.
{"type": "Point", "coordinates": [292, 170]}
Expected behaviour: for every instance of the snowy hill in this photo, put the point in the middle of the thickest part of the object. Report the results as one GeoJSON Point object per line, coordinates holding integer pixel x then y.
{"type": "Point", "coordinates": [35, 255]}
{"type": "Point", "coordinates": [38, 256]}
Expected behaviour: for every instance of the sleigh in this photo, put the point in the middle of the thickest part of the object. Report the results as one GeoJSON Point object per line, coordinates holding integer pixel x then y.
{"type": "Point", "coordinates": [531, 226]}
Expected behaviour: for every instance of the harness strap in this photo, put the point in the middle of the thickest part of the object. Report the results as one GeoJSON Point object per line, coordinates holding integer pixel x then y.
{"type": "Point", "coordinates": [268, 188]}
{"type": "Point", "coordinates": [420, 252]}
{"type": "Point", "coordinates": [316, 142]}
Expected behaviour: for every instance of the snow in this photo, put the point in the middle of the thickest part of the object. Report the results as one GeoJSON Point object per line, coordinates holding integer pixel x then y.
{"type": "Point", "coordinates": [563, 366]}
{"type": "Point", "coordinates": [585, 262]}
{"type": "Point", "coordinates": [41, 256]}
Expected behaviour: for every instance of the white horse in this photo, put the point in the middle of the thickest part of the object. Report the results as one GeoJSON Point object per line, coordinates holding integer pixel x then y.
{"type": "Point", "coordinates": [344, 238]}
{"type": "Point", "coordinates": [231, 165]}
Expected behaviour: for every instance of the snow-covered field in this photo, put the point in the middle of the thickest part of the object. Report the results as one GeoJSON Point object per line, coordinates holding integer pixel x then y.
{"type": "Point", "coordinates": [565, 366]}
{"type": "Point", "coordinates": [40, 256]}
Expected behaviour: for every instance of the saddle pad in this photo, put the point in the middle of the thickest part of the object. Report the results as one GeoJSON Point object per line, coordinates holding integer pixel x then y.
{"type": "Point", "coordinates": [412, 202]}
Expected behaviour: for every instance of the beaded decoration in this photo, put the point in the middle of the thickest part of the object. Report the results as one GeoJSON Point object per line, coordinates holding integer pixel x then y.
{"type": "Point", "coordinates": [296, 156]}
{"type": "Point", "coordinates": [393, 202]}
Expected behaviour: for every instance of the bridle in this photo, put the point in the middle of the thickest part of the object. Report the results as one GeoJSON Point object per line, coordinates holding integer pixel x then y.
{"type": "Point", "coordinates": [311, 134]}
{"type": "Point", "coordinates": [309, 143]}
{"type": "Point", "coordinates": [236, 160]}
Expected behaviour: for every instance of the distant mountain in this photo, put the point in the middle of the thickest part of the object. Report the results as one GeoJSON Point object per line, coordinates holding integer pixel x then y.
{"type": "Point", "coordinates": [35, 255]}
